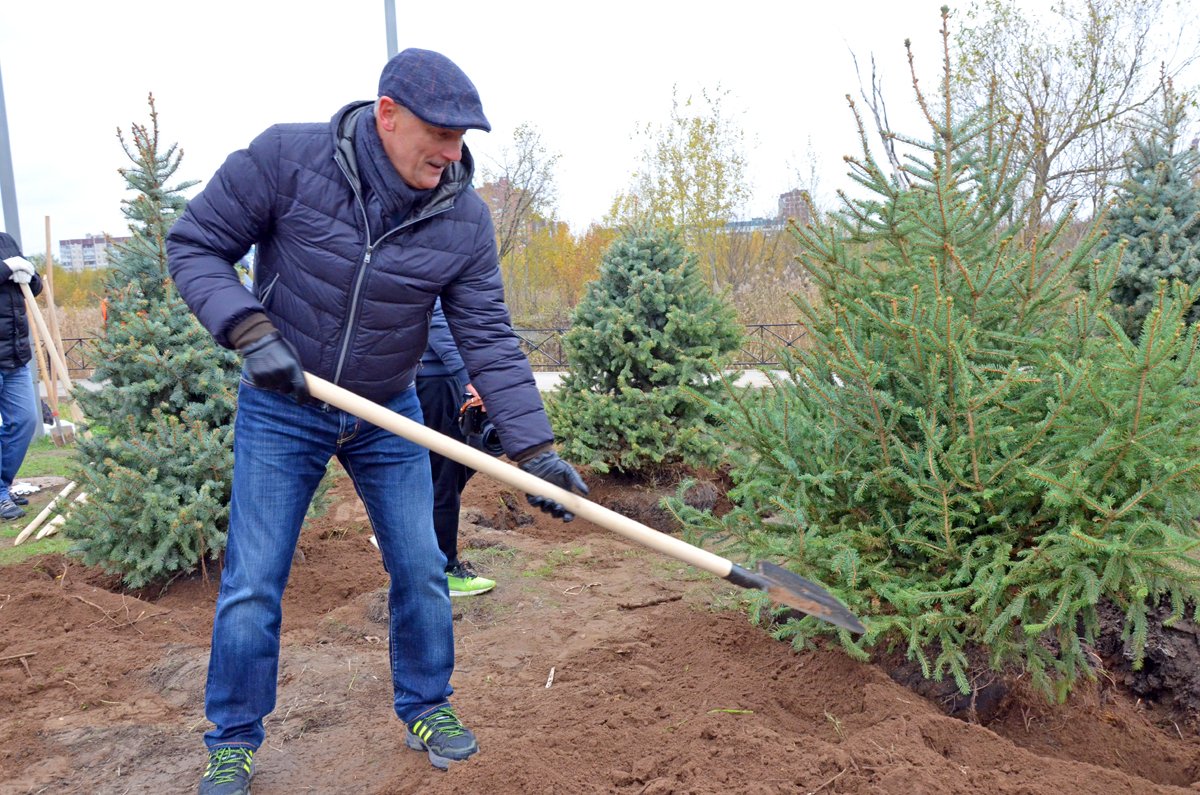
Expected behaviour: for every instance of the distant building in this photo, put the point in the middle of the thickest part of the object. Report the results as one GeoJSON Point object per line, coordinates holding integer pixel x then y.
{"type": "Point", "coordinates": [755, 225]}
{"type": "Point", "coordinates": [792, 205]}
{"type": "Point", "coordinates": [86, 253]}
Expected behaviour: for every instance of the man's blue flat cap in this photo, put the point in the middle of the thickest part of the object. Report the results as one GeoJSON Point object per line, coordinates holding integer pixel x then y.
{"type": "Point", "coordinates": [434, 89]}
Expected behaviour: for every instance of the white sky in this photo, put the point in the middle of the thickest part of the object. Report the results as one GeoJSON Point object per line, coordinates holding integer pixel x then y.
{"type": "Point", "coordinates": [586, 75]}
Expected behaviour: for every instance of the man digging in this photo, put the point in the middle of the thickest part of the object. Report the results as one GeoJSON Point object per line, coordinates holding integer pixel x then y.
{"type": "Point", "coordinates": [360, 224]}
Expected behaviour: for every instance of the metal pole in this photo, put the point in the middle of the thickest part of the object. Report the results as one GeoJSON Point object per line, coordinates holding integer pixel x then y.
{"type": "Point", "coordinates": [12, 224]}
{"type": "Point", "coordinates": [389, 17]}
{"type": "Point", "coordinates": [8, 188]}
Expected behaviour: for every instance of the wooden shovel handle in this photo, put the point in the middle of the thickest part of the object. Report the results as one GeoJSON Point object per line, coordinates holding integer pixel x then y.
{"type": "Point", "coordinates": [60, 364]}
{"type": "Point", "coordinates": [517, 478]}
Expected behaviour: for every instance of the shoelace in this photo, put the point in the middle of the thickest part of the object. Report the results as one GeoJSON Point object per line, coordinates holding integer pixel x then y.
{"type": "Point", "coordinates": [445, 721]}
{"type": "Point", "coordinates": [224, 764]}
{"type": "Point", "coordinates": [462, 570]}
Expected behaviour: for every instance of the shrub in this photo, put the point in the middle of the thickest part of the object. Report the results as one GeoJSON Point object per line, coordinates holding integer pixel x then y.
{"type": "Point", "coordinates": [646, 343]}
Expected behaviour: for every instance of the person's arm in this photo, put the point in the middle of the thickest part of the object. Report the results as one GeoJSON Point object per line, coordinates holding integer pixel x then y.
{"type": "Point", "coordinates": [478, 318]}
{"type": "Point", "coordinates": [234, 211]}
{"type": "Point", "coordinates": [14, 267]}
{"type": "Point", "coordinates": [441, 342]}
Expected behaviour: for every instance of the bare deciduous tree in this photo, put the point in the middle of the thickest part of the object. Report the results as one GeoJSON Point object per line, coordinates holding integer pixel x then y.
{"type": "Point", "coordinates": [692, 176]}
{"type": "Point", "coordinates": [520, 188]}
{"type": "Point", "coordinates": [1076, 77]}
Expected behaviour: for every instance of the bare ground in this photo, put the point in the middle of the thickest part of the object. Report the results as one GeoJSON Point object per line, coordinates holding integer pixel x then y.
{"type": "Point", "coordinates": [593, 667]}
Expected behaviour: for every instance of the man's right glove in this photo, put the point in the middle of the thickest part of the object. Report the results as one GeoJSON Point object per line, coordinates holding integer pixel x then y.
{"type": "Point", "coordinates": [552, 469]}
{"type": "Point", "coordinates": [21, 270]}
{"type": "Point", "coordinates": [271, 362]}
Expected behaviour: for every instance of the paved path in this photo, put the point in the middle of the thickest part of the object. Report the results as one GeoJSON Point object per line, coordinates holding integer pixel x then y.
{"type": "Point", "coordinates": [548, 381]}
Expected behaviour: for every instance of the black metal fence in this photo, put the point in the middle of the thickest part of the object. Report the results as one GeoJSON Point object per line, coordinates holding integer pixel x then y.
{"type": "Point", "coordinates": [761, 347]}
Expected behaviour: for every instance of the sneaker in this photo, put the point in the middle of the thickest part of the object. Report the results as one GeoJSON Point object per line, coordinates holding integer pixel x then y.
{"type": "Point", "coordinates": [465, 582]}
{"type": "Point", "coordinates": [18, 499]}
{"type": "Point", "coordinates": [229, 772]}
{"type": "Point", "coordinates": [10, 510]}
{"type": "Point", "coordinates": [443, 736]}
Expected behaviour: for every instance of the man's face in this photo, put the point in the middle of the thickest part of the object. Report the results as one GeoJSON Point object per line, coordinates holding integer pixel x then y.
{"type": "Point", "coordinates": [418, 151]}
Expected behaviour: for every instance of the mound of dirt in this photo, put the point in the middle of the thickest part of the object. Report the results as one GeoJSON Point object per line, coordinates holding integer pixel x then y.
{"type": "Point", "coordinates": [594, 666]}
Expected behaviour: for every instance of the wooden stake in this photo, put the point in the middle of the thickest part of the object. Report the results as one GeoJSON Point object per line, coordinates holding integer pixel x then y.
{"type": "Point", "coordinates": [52, 526]}
{"type": "Point", "coordinates": [48, 294]}
{"type": "Point", "coordinates": [41, 517]}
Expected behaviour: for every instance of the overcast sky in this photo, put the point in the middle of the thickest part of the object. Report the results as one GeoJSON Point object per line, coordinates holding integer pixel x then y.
{"type": "Point", "coordinates": [587, 76]}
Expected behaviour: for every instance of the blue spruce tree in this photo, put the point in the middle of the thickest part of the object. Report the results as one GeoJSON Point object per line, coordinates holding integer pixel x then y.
{"type": "Point", "coordinates": [157, 464]}
{"type": "Point", "coordinates": [1157, 215]}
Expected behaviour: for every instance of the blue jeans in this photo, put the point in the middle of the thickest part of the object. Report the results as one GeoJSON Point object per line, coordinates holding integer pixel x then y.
{"type": "Point", "coordinates": [281, 450]}
{"type": "Point", "coordinates": [19, 417]}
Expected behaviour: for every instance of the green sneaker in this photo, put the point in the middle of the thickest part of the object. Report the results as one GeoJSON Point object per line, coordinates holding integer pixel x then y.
{"type": "Point", "coordinates": [465, 582]}
{"type": "Point", "coordinates": [229, 772]}
{"type": "Point", "coordinates": [443, 736]}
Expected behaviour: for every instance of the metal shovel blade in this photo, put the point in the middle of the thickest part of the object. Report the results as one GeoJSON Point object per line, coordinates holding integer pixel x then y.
{"type": "Point", "coordinates": [788, 588]}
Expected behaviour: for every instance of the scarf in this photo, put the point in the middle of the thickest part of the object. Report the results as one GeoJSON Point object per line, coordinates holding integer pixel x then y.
{"type": "Point", "coordinates": [388, 197]}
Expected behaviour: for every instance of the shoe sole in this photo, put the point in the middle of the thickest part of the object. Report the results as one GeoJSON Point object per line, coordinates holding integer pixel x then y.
{"type": "Point", "coordinates": [475, 592]}
{"type": "Point", "coordinates": [437, 760]}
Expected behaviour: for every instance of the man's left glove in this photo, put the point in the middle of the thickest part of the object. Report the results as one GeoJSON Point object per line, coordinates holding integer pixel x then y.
{"type": "Point", "coordinates": [552, 469]}
{"type": "Point", "coordinates": [21, 270]}
{"type": "Point", "coordinates": [273, 363]}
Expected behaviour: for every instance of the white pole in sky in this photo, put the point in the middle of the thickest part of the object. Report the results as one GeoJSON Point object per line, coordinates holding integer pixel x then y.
{"type": "Point", "coordinates": [12, 225]}
{"type": "Point", "coordinates": [389, 17]}
{"type": "Point", "coordinates": [8, 187]}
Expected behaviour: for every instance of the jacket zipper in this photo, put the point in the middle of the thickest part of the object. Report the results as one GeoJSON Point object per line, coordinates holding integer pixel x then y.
{"type": "Point", "coordinates": [360, 277]}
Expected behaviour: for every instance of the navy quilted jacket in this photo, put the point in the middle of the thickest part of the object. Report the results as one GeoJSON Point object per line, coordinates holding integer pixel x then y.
{"type": "Point", "coordinates": [353, 297]}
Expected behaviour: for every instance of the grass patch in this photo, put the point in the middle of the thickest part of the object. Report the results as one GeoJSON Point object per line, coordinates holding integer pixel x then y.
{"type": "Point", "coordinates": [31, 548]}
{"type": "Point", "coordinates": [672, 569]}
{"type": "Point", "coordinates": [488, 559]}
{"type": "Point", "coordinates": [44, 458]}
{"type": "Point", "coordinates": [555, 558]}
{"type": "Point", "coordinates": [480, 611]}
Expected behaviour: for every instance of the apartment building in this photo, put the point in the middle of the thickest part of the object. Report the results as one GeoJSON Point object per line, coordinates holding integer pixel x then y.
{"type": "Point", "coordinates": [86, 253]}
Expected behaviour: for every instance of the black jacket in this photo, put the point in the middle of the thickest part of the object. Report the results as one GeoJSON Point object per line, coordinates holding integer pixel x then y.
{"type": "Point", "coordinates": [345, 283]}
{"type": "Point", "coordinates": [14, 324]}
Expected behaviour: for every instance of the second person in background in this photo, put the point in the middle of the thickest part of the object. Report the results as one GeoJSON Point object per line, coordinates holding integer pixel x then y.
{"type": "Point", "coordinates": [442, 383]}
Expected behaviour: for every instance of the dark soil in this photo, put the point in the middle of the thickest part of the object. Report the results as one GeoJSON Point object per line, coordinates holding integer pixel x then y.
{"type": "Point", "coordinates": [593, 667]}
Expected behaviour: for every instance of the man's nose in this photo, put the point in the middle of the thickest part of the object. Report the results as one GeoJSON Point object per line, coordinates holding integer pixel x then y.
{"type": "Point", "coordinates": [452, 151]}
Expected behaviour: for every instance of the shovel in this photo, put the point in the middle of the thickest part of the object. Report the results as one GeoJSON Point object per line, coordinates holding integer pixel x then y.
{"type": "Point", "coordinates": [780, 584]}
{"type": "Point", "coordinates": [56, 357]}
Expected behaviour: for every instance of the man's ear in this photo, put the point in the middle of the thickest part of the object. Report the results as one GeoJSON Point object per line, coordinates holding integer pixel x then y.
{"type": "Point", "coordinates": [386, 115]}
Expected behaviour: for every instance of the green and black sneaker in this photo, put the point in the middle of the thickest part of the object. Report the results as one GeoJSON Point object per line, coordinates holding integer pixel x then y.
{"type": "Point", "coordinates": [463, 581]}
{"type": "Point", "coordinates": [442, 734]}
{"type": "Point", "coordinates": [229, 772]}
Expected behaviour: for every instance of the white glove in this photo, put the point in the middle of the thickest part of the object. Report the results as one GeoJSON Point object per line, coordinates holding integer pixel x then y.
{"type": "Point", "coordinates": [22, 269]}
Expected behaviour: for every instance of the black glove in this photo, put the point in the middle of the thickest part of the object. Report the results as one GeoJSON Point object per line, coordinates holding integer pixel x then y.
{"type": "Point", "coordinates": [272, 363]}
{"type": "Point", "coordinates": [552, 469]}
